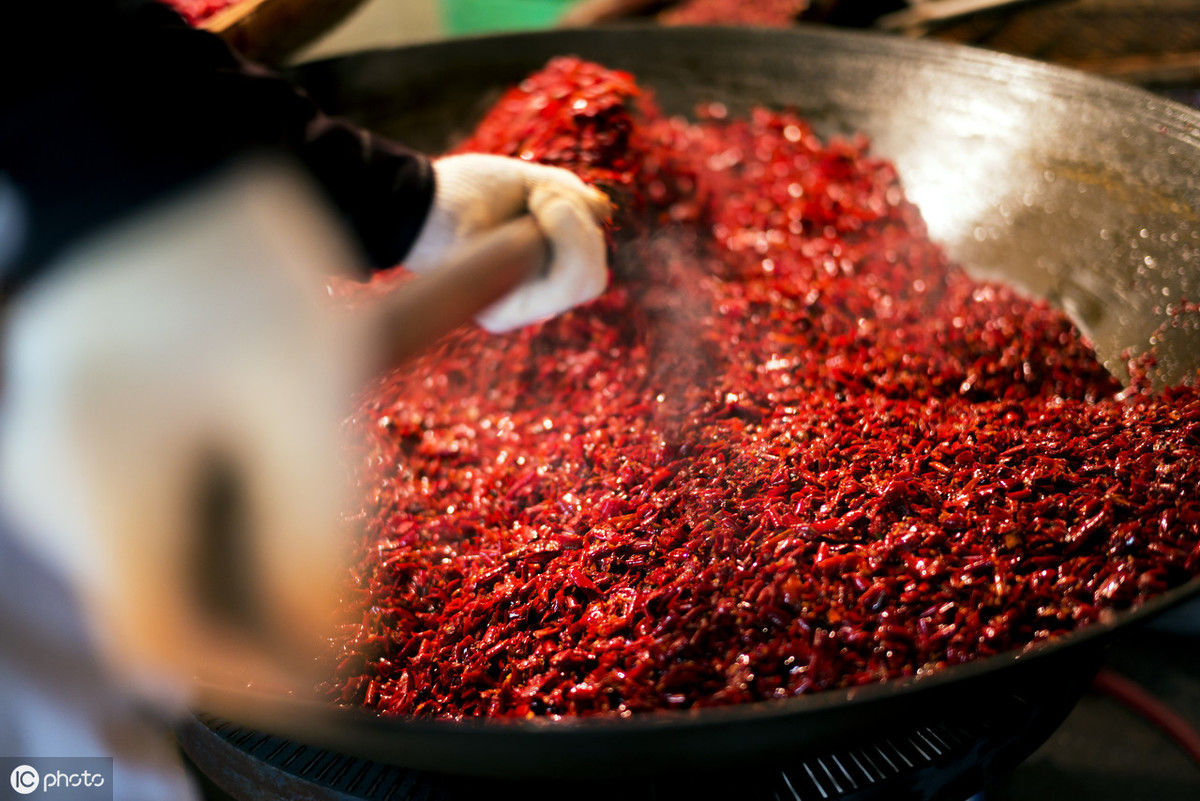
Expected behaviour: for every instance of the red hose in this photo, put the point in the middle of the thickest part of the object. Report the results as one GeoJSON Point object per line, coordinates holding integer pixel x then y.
{"type": "Point", "coordinates": [1138, 700]}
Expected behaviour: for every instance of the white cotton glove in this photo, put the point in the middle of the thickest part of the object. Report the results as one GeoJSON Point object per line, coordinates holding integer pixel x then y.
{"type": "Point", "coordinates": [475, 192]}
{"type": "Point", "coordinates": [193, 337]}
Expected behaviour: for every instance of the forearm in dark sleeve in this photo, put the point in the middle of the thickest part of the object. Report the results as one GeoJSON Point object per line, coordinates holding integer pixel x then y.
{"type": "Point", "coordinates": [382, 189]}
{"type": "Point", "coordinates": [129, 106]}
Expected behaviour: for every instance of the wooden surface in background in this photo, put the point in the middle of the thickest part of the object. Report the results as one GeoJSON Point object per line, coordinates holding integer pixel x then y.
{"type": "Point", "coordinates": [269, 31]}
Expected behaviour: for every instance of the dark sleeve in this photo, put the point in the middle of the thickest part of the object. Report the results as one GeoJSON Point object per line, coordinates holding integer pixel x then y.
{"type": "Point", "coordinates": [119, 103]}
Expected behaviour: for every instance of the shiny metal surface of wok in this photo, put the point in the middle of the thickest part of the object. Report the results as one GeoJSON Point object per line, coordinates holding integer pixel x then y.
{"type": "Point", "coordinates": [1077, 189]}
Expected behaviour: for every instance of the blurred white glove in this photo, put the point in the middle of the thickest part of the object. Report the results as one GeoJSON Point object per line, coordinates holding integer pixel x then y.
{"type": "Point", "coordinates": [184, 354]}
{"type": "Point", "coordinates": [475, 192]}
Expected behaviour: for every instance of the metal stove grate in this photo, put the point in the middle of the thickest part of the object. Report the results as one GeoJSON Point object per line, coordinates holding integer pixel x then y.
{"type": "Point", "coordinates": [839, 774]}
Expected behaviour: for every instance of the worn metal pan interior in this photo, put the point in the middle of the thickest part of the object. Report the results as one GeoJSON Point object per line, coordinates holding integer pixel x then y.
{"type": "Point", "coordinates": [1074, 188]}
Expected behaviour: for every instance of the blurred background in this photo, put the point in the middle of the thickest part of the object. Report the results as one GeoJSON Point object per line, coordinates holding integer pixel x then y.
{"type": "Point", "coordinates": [380, 23]}
{"type": "Point", "coordinates": [1153, 43]}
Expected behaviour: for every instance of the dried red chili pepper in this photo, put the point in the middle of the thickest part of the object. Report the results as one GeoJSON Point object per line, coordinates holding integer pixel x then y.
{"type": "Point", "coordinates": [197, 11]}
{"type": "Point", "coordinates": [793, 448]}
{"type": "Point", "coordinates": [772, 13]}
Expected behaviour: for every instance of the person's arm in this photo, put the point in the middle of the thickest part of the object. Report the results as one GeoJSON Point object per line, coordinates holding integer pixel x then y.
{"type": "Point", "coordinates": [126, 103]}
{"type": "Point", "coordinates": [132, 105]}
{"type": "Point", "coordinates": [173, 387]}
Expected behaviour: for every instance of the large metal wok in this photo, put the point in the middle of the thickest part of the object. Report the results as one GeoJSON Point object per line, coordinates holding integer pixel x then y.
{"type": "Point", "coordinates": [1077, 189]}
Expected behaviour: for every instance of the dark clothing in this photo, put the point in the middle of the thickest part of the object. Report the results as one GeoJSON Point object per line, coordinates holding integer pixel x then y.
{"type": "Point", "coordinates": [106, 105]}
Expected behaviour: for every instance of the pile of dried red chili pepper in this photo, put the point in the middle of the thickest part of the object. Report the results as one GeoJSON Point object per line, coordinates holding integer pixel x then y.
{"type": "Point", "coordinates": [792, 448]}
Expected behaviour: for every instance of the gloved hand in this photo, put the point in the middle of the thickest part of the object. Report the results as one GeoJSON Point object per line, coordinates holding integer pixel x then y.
{"type": "Point", "coordinates": [170, 434]}
{"type": "Point", "coordinates": [475, 192]}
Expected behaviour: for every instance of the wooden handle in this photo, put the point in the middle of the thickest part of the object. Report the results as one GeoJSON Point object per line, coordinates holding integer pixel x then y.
{"type": "Point", "coordinates": [423, 310]}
